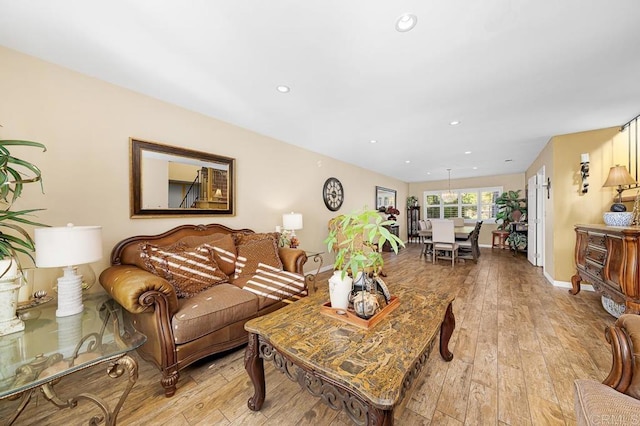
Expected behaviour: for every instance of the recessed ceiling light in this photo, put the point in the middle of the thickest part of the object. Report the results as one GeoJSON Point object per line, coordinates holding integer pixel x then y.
{"type": "Point", "coordinates": [406, 22]}
{"type": "Point", "coordinates": [475, 168]}
{"type": "Point", "coordinates": [467, 152]}
{"type": "Point", "coordinates": [374, 141]}
{"type": "Point", "coordinates": [283, 89]}
{"type": "Point", "coordinates": [428, 173]}
{"type": "Point", "coordinates": [407, 161]}
{"type": "Point", "coordinates": [454, 123]}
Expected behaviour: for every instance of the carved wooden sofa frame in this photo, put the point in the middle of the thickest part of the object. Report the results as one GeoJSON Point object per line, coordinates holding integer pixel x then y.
{"type": "Point", "coordinates": [151, 302]}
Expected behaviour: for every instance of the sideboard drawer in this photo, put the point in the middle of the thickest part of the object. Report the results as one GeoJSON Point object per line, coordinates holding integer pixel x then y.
{"type": "Point", "coordinates": [595, 254]}
{"type": "Point", "coordinates": [594, 269]}
{"type": "Point", "coordinates": [597, 240]}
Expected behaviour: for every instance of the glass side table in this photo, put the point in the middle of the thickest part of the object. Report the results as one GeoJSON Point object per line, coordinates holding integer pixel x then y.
{"type": "Point", "coordinates": [51, 348]}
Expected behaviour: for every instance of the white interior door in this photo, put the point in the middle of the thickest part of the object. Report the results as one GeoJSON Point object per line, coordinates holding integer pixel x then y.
{"type": "Point", "coordinates": [540, 212]}
{"type": "Point", "coordinates": [532, 213]}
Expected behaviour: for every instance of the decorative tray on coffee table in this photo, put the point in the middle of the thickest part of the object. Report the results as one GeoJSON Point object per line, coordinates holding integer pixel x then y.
{"type": "Point", "coordinates": [349, 316]}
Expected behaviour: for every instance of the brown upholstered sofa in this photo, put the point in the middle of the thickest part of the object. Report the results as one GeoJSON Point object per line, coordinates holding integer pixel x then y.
{"type": "Point", "coordinates": [190, 290]}
{"type": "Point", "coordinates": [616, 401]}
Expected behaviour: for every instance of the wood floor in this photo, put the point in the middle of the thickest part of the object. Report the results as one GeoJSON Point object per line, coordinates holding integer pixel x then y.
{"type": "Point", "coordinates": [518, 345]}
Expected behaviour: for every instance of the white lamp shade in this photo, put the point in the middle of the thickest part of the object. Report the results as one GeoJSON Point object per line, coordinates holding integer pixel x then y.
{"type": "Point", "coordinates": [67, 245]}
{"type": "Point", "coordinates": [292, 221]}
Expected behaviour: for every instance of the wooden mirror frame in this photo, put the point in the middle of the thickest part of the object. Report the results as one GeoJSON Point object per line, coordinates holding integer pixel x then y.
{"type": "Point", "coordinates": [380, 191]}
{"type": "Point", "coordinates": [225, 200]}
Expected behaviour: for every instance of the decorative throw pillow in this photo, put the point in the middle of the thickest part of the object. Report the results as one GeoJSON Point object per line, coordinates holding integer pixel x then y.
{"type": "Point", "coordinates": [223, 246]}
{"type": "Point", "coordinates": [189, 270]}
{"type": "Point", "coordinates": [253, 253]}
{"type": "Point", "coordinates": [242, 238]}
{"type": "Point", "coordinates": [274, 285]}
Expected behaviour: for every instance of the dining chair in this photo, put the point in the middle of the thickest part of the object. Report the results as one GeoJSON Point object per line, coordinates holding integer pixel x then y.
{"type": "Point", "coordinates": [458, 221]}
{"type": "Point", "coordinates": [470, 249]}
{"type": "Point", "coordinates": [425, 238]}
{"type": "Point", "coordinates": [422, 227]}
{"type": "Point", "coordinates": [444, 239]}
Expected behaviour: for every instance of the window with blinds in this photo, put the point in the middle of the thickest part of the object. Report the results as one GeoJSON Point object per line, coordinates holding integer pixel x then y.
{"type": "Point", "coordinates": [470, 204]}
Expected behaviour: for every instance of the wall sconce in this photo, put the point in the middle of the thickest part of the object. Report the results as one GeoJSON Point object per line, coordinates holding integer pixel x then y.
{"type": "Point", "coordinates": [292, 222]}
{"type": "Point", "coordinates": [548, 186]}
{"type": "Point", "coordinates": [584, 171]}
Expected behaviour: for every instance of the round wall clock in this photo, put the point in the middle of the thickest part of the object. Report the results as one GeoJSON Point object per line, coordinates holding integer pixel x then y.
{"type": "Point", "coordinates": [333, 194]}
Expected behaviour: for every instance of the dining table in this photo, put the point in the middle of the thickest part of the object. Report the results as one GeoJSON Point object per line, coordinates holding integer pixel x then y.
{"type": "Point", "coordinates": [462, 232]}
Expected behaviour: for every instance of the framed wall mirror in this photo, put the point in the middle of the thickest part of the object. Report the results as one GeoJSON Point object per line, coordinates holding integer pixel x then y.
{"type": "Point", "coordinates": [385, 197]}
{"type": "Point", "coordinates": [172, 181]}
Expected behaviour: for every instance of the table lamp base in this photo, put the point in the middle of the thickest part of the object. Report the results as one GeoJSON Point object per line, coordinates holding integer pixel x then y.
{"type": "Point", "coordinates": [69, 293]}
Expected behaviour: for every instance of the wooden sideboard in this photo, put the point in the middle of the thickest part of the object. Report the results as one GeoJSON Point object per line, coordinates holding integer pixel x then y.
{"type": "Point", "coordinates": [607, 257]}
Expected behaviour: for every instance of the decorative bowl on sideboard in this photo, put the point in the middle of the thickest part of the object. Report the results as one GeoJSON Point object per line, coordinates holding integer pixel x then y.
{"type": "Point", "coordinates": [618, 218]}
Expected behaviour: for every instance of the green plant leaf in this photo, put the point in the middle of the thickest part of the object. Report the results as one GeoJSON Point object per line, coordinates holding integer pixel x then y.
{"type": "Point", "coordinates": [13, 142]}
{"type": "Point", "coordinates": [14, 173]}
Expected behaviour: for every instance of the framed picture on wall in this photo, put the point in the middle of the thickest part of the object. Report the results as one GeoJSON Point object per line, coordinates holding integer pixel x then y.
{"type": "Point", "coordinates": [385, 197]}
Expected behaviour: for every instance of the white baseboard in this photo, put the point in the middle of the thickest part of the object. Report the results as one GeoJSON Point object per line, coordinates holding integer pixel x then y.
{"type": "Point", "coordinates": [326, 268]}
{"type": "Point", "coordinates": [566, 284]}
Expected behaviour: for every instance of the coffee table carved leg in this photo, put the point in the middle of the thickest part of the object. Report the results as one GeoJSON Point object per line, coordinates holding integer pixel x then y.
{"type": "Point", "coordinates": [378, 417]}
{"type": "Point", "coordinates": [446, 330]}
{"type": "Point", "coordinates": [255, 368]}
{"type": "Point", "coordinates": [575, 283]}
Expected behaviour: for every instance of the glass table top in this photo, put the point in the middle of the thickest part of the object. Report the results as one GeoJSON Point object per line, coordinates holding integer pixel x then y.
{"type": "Point", "coordinates": [52, 347]}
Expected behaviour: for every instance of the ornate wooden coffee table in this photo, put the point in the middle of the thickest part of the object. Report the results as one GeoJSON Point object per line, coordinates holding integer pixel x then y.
{"type": "Point", "coordinates": [364, 372]}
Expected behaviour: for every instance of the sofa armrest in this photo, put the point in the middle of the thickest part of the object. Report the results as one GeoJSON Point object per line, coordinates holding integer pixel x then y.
{"type": "Point", "coordinates": [598, 404]}
{"type": "Point", "coordinates": [127, 284]}
{"type": "Point", "coordinates": [293, 260]}
{"type": "Point", "coordinates": [624, 337]}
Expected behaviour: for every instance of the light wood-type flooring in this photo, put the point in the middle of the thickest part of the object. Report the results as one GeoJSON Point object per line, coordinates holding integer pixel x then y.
{"type": "Point", "coordinates": [518, 345]}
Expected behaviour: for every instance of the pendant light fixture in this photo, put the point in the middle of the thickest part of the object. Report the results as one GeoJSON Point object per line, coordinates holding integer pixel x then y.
{"type": "Point", "coordinates": [449, 196]}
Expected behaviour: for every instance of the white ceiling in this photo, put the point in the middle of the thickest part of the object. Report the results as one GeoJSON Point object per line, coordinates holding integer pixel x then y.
{"type": "Point", "coordinates": [514, 72]}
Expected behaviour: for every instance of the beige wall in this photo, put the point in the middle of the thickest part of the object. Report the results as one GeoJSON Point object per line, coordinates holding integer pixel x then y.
{"type": "Point", "coordinates": [511, 182]}
{"type": "Point", "coordinates": [86, 125]}
{"type": "Point", "coordinates": [568, 206]}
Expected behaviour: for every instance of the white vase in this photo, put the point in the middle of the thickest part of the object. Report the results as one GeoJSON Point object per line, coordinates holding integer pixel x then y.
{"type": "Point", "coordinates": [340, 290]}
{"type": "Point", "coordinates": [9, 288]}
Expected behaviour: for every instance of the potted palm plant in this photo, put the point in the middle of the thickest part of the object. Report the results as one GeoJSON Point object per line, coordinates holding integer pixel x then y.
{"type": "Point", "coordinates": [14, 239]}
{"type": "Point", "coordinates": [357, 238]}
{"type": "Point", "coordinates": [511, 208]}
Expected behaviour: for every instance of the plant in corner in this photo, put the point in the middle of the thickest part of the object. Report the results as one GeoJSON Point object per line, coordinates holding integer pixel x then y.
{"type": "Point", "coordinates": [517, 240]}
{"type": "Point", "coordinates": [14, 239]}
{"type": "Point", "coordinates": [357, 238]}
{"type": "Point", "coordinates": [412, 201]}
{"type": "Point", "coordinates": [508, 203]}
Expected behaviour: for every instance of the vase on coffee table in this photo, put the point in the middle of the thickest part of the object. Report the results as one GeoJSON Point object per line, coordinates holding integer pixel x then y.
{"type": "Point", "coordinates": [340, 290]}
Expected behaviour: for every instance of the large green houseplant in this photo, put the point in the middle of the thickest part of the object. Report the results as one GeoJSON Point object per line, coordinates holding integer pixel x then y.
{"type": "Point", "coordinates": [14, 173]}
{"type": "Point", "coordinates": [508, 202]}
{"type": "Point", "coordinates": [357, 238]}
{"type": "Point", "coordinates": [14, 239]}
